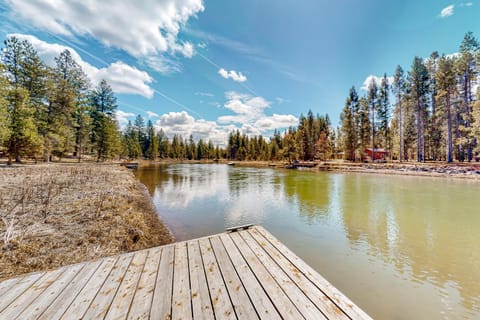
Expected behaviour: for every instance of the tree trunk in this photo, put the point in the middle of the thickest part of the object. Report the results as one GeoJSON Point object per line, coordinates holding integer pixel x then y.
{"type": "Point", "coordinates": [449, 130]}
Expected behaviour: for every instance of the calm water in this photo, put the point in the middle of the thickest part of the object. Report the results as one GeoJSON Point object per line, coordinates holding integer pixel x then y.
{"type": "Point", "coordinates": [400, 247]}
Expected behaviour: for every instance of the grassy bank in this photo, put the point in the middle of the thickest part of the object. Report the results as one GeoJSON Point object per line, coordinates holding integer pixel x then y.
{"type": "Point", "coordinates": [58, 214]}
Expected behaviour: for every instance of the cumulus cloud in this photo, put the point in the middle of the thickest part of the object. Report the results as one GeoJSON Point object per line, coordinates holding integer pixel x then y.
{"type": "Point", "coordinates": [447, 11]}
{"type": "Point", "coordinates": [249, 111]}
{"type": "Point", "coordinates": [378, 81]}
{"type": "Point", "coordinates": [232, 74]}
{"type": "Point", "coordinates": [182, 123]}
{"type": "Point", "coordinates": [140, 28]}
{"type": "Point", "coordinates": [122, 77]}
{"type": "Point", "coordinates": [144, 29]}
{"type": "Point", "coordinates": [152, 114]}
{"type": "Point", "coordinates": [123, 117]}
{"type": "Point", "coordinates": [248, 116]}
{"type": "Point", "coordinates": [204, 94]}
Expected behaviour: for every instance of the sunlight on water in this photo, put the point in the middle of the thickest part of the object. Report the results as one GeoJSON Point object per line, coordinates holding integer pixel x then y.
{"type": "Point", "coordinates": [400, 247]}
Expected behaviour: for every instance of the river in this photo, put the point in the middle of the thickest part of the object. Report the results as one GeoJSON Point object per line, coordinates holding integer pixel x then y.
{"type": "Point", "coordinates": [400, 247]}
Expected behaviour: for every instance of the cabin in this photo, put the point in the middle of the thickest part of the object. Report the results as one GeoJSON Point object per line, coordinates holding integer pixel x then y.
{"type": "Point", "coordinates": [378, 154]}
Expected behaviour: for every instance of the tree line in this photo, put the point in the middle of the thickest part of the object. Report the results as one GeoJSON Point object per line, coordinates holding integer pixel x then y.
{"type": "Point", "coordinates": [430, 112]}
{"type": "Point", "coordinates": [435, 114]}
{"type": "Point", "coordinates": [53, 111]}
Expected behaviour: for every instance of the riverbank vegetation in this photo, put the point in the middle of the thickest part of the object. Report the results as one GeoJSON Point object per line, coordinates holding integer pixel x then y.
{"type": "Point", "coordinates": [58, 214]}
{"type": "Point", "coordinates": [430, 112]}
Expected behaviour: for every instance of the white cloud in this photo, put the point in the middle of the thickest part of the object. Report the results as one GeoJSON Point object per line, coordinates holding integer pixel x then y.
{"type": "Point", "coordinates": [378, 81]}
{"type": "Point", "coordinates": [466, 4]}
{"type": "Point", "coordinates": [122, 77]}
{"type": "Point", "coordinates": [122, 117]}
{"type": "Point", "coordinates": [248, 116]}
{"type": "Point", "coordinates": [447, 11]}
{"type": "Point", "coordinates": [144, 29]}
{"type": "Point", "coordinates": [276, 121]}
{"type": "Point", "coordinates": [232, 74]}
{"type": "Point", "coordinates": [140, 28]}
{"type": "Point", "coordinates": [152, 114]}
{"type": "Point", "coordinates": [181, 123]}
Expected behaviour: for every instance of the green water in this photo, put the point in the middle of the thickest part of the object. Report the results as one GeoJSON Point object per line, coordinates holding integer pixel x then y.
{"type": "Point", "coordinates": [399, 247]}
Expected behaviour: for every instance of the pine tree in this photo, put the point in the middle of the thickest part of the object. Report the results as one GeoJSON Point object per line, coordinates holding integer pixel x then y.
{"type": "Point", "coordinates": [467, 72]}
{"type": "Point", "coordinates": [419, 84]}
{"type": "Point", "coordinates": [364, 130]}
{"type": "Point", "coordinates": [399, 87]}
{"type": "Point", "coordinates": [445, 78]}
{"type": "Point", "coordinates": [373, 105]}
{"type": "Point", "coordinates": [152, 151]}
{"type": "Point", "coordinates": [23, 139]}
{"type": "Point", "coordinates": [139, 124]}
{"type": "Point", "coordinates": [105, 129]}
{"type": "Point", "coordinates": [71, 99]}
{"type": "Point", "coordinates": [348, 131]}
{"type": "Point", "coordinates": [384, 112]}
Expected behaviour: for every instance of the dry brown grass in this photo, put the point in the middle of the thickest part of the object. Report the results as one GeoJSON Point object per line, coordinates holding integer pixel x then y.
{"type": "Point", "coordinates": [57, 214]}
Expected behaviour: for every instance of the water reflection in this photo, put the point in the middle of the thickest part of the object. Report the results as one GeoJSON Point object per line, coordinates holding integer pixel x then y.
{"type": "Point", "coordinates": [409, 242]}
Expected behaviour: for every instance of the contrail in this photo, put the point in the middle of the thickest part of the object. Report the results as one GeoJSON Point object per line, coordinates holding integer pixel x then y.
{"type": "Point", "coordinates": [105, 63]}
{"type": "Point", "coordinates": [217, 66]}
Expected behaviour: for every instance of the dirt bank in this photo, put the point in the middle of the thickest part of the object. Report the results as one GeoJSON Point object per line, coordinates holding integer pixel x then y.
{"type": "Point", "coordinates": [431, 169]}
{"type": "Point", "coordinates": [58, 214]}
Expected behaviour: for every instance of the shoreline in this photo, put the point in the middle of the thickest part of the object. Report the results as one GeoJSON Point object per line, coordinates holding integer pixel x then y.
{"type": "Point", "coordinates": [469, 171]}
{"type": "Point", "coordinates": [58, 214]}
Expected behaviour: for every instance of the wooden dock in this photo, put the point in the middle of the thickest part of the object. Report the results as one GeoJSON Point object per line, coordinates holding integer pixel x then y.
{"type": "Point", "coordinates": [240, 274]}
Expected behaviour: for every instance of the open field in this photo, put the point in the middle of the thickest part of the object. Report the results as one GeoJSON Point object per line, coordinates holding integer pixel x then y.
{"type": "Point", "coordinates": [57, 214]}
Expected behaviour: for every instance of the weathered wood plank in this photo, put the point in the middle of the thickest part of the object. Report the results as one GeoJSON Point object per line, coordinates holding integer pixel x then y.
{"type": "Point", "coordinates": [299, 299]}
{"type": "Point", "coordinates": [162, 297]}
{"type": "Point", "coordinates": [201, 303]}
{"type": "Point", "coordinates": [29, 295]}
{"type": "Point", "coordinates": [352, 310]}
{"type": "Point", "coordinates": [181, 298]}
{"type": "Point", "coordinates": [19, 286]}
{"type": "Point", "coordinates": [36, 308]}
{"type": "Point", "coordinates": [244, 274]}
{"type": "Point", "coordinates": [240, 300]}
{"type": "Point", "coordinates": [100, 305]}
{"type": "Point", "coordinates": [142, 301]}
{"type": "Point", "coordinates": [8, 284]}
{"type": "Point", "coordinates": [281, 301]}
{"type": "Point", "coordinates": [322, 302]}
{"type": "Point", "coordinates": [85, 297]}
{"type": "Point", "coordinates": [121, 303]}
{"type": "Point", "coordinates": [222, 305]}
{"type": "Point", "coordinates": [262, 303]}
{"type": "Point", "coordinates": [63, 301]}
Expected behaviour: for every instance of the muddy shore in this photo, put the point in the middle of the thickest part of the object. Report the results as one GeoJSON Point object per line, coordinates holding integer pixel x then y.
{"type": "Point", "coordinates": [58, 214]}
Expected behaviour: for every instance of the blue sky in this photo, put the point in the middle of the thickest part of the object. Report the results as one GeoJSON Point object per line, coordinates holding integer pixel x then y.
{"type": "Point", "coordinates": [208, 67]}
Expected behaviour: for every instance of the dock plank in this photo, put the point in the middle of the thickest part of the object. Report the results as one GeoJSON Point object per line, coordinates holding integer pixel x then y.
{"type": "Point", "coordinates": [100, 305]}
{"type": "Point", "coordinates": [201, 302]}
{"type": "Point", "coordinates": [162, 297]}
{"type": "Point", "coordinates": [121, 303]}
{"type": "Point", "coordinates": [244, 273]}
{"type": "Point", "coordinates": [347, 306]}
{"type": "Point", "coordinates": [240, 300]}
{"type": "Point", "coordinates": [263, 305]}
{"type": "Point", "coordinates": [57, 308]}
{"type": "Point", "coordinates": [281, 301]}
{"type": "Point", "coordinates": [181, 298]}
{"type": "Point", "coordinates": [29, 295]}
{"type": "Point", "coordinates": [142, 301]}
{"type": "Point", "coordinates": [299, 299]}
{"type": "Point", "coordinates": [222, 305]}
{"type": "Point", "coordinates": [85, 297]}
{"type": "Point", "coordinates": [330, 309]}
{"type": "Point", "coordinates": [20, 285]}
{"type": "Point", "coordinates": [43, 301]}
